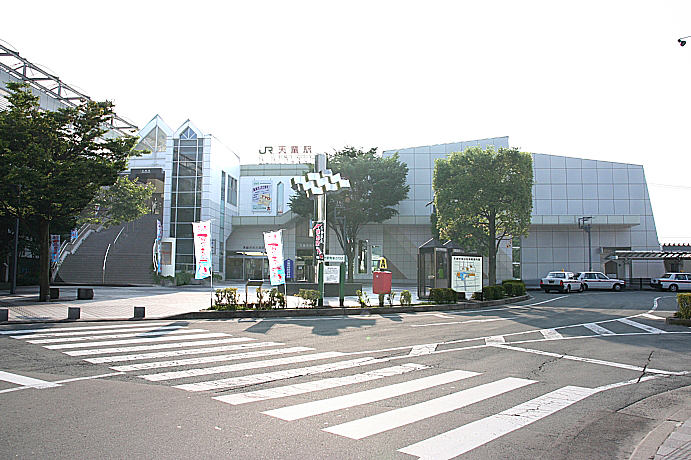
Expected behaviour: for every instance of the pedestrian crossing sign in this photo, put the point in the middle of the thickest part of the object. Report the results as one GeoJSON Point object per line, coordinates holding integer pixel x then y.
{"type": "Point", "coordinates": [382, 264]}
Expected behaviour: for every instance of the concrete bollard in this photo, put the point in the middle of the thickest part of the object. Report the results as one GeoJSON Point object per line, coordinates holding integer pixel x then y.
{"type": "Point", "coordinates": [4, 315]}
{"type": "Point", "coordinates": [139, 312]}
{"type": "Point", "coordinates": [85, 293]}
{"type": "Point", "coordinates": [54, 293]}
{"type": "Point", "coordinates": [73, 312]}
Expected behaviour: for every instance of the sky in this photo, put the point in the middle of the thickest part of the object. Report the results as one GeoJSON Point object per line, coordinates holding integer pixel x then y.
{"type": "Point", "coordinates": [603, 80]}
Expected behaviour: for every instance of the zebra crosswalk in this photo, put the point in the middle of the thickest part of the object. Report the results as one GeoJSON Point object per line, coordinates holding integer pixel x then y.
{"type": "Point", "coordinates": [197, 360]}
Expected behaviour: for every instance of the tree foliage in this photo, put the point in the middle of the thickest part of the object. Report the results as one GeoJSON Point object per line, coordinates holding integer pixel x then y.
{"type": "Point", "coordinates": [53, 163]}
{"type": "Point", "coordinates": [483, 197]}
{"type": "Point", "coordinates": [124, 201]}
{"type": "Point", "coordinates": [377, 185]}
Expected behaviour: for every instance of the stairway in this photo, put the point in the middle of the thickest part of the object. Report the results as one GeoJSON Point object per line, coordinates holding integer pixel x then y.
{"type": "Point", "coordinates": [129, 258]}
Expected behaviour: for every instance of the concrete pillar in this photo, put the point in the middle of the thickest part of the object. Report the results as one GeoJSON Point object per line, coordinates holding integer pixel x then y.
{"type": "Point", "coordinates": [4, 315]}
{"type": "Point", "coordinates": [139, 312]}
{"type": "Point", "coordinates": [73, 312]}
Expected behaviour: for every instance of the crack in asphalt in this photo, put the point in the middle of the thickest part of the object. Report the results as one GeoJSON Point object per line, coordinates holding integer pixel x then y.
{"type": "Point", "coordinates": [643, 372]}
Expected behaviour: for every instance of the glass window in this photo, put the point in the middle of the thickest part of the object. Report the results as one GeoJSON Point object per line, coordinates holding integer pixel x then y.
{"type": "Point", "coordinates": [188, 134]}
{"type": "Point", "coordinates": [223, 186]}
{"type": "Point", "coordinates": [601, 276]}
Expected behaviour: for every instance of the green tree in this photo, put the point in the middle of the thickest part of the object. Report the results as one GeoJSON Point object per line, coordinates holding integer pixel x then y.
{"type": "Point", "coordinates": [124, 201]}
{"type": "Point", "coordinates": [483, 197]}
{"type": "Point", "coordinates": [53, 163]}
{"type": "Point", "coordinates": [377, 185]}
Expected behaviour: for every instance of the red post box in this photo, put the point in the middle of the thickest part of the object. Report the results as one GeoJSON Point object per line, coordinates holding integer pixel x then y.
{"type": "Point", "coordinates": [381, 282]}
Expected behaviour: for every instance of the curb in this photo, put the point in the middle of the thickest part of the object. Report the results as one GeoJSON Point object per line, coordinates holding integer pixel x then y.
{"type": "Point", "coordinates": [338, 311]}
{"type": "Point", "coordinates": [678, 321]}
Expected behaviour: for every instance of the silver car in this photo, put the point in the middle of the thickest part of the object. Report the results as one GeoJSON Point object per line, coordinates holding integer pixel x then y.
{"type": "Point", "coordinates": [598, 280]}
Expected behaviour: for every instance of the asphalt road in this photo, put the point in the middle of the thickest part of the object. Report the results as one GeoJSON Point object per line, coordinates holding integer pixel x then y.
{"type": "Point", "coordinates": [585, 375]}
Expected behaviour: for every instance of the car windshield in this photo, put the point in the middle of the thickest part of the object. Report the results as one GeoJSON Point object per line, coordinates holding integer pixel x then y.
{"type": "Point", "coordinates": [557, 275]}
{"type": "Point", "coordinates": [667, 275]}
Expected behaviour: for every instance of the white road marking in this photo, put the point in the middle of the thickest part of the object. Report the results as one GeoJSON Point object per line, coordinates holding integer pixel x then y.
{"type": "Point", "coordinates": [80, 328]}
{"type": "Point", "coordinates": [115, 336]}
{"type": "Point", "coordinates": [81, 332]}
{"type": "Point", "coordinates": [173, 353]}
{"type": "Point", "coordinates": [487, 320]}
{"type": "Point", "coordinates": [76, 379]}
{"type": "Point", "coordinates": [551, 334]}
{"type": "Point", "coordinates": [239, 367]}
{"type": "Point", "coordinates": [59, 382]}
{"type": "Point", "coordinates": [426, 349]}
{"type": "Point", "coordinates": [167, 338]}
{"type": "Point", "coordinates": [302, 388]}
{"type": "Point", "coordinates": [645, 327]}
{"type": "Point", "coordinates": [209, 359]}
{"type": "Point", "coordinates": [599, 330]}
{"type": "Point", "coordinates": [160, 346]}
{"type": "Point", "coordinates": [588, 360]}
{"type": "Point", "coordinates": [26, 381]}
{"type": "Point", "coordinates": [368, 396]}
{"type": "Point", "coordinates": [279, 375]}
{"type": "Point", "coordinates": [468, 437]}
{"type": "Point", "coordinates": [495, 339]}
{"type": "Point", "coordinates": [368, 426]}
{"type": "Point", "coordinates": [649, 316]}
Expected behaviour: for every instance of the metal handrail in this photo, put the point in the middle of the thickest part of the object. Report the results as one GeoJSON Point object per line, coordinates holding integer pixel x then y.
{"type": "Point", "coordinates": [103, 278]}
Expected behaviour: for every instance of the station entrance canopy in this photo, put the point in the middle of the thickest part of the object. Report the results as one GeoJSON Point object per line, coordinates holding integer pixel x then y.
{"type": "Point", "coordinates": [628, 256]}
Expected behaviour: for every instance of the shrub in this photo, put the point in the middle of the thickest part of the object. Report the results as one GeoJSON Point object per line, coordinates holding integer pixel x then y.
{"type": "Point", "coordinates": [477, 295]}
{"type": "Point", "coordinates": [684, 303]}
{"type": "Point", "coordinates": [362, 299]}
{"type": "Point", "coordinates": [226, 299]}
{"type": "Point", "coordinates": [406, 298]}
{"type": "Point", "coordinates": [391, 297]}
{"type": "Point", "coordinates": [309, 296]}
{"type": "Point", "coordinates": [493, 292]}
{"type": "Point", "coordinates": [443, 295]}
{"type": "Point", "coordinates": [182, 278]}
{"type": "Point", "coordinates": [514, 288]}
{"type": "Point", "coordinates": [277, 299]}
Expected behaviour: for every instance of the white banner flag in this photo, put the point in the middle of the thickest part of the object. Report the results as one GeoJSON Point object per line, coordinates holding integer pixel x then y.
{"type": "Point", "coordinates": [273, 242]}
{"type": "Point", "coordinates": [202, 248]}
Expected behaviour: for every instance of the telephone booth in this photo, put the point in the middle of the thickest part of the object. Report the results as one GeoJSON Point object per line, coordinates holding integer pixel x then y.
{"type": "Point", "coordinates": [433, 267]}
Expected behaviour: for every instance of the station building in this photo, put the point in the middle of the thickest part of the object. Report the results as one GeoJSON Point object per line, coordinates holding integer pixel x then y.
{"type": "Point", "coordinates": [199, 178]}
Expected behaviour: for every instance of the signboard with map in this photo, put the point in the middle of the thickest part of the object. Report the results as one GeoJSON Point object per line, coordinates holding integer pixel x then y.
{"type": "Point", "coordinates": [466, 274]}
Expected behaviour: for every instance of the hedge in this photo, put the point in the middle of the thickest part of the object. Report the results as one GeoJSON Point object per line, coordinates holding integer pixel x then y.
{"type": "Point", "coordinates": [684, 303]}
{"type": "Point", "coordinates": [514, 288]}
{"type": "Point", "coordinates": [443, 295]}
{"type": "Point", "coordinates": [495, 292]}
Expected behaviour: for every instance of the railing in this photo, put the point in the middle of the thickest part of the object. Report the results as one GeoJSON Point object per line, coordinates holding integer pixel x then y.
{"type": "Point", "coordinates": [638, 284]}
{"type": "Point", "coordinates": [105, 257]}
{"type": "Point", "coordinates": [68, 247]}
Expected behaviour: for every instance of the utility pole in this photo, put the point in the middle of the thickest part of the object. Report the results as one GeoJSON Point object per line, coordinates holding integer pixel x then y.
{"type": "Point", "coordinates": [584, 223]}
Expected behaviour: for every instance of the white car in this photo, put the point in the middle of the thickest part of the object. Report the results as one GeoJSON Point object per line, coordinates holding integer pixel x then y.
{"type": "Point", "coordinates": [673, 282]}
{"type": "Point", "coordinates": [561, 281]}
{"type": "Point", "coordinates": [598, 280]}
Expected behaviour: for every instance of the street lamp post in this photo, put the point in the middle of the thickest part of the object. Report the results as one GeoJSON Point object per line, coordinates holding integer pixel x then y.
{"type": "Point", "coordinates": [584, 223]}
{"type": "Point", "coordinates": [316, 185]}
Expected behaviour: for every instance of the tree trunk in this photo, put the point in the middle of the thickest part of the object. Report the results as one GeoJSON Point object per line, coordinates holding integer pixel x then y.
{"type": "Point", "coordinates": [492, 269]}
{"type": "Point", "coordinates": [44, 260]}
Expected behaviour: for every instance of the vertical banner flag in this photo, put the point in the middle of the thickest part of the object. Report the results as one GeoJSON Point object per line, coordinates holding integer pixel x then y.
{"type": "Point", "coordinates": [273, 242]}
{"type": "Point", "coordinates": [54, 248]}
{"type": "Point", "coordinates": [159, 235]}
{"type": "Point", "coordinates": [319, 239]}
{"type": "Point", "coordinates": [202, 248]}
{"type": "Point", "coordinates": [74, 234]}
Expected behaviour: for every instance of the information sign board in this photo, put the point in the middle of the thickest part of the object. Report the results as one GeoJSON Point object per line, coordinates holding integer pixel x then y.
{"type": "Point", "coordinates": [466, 274]}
